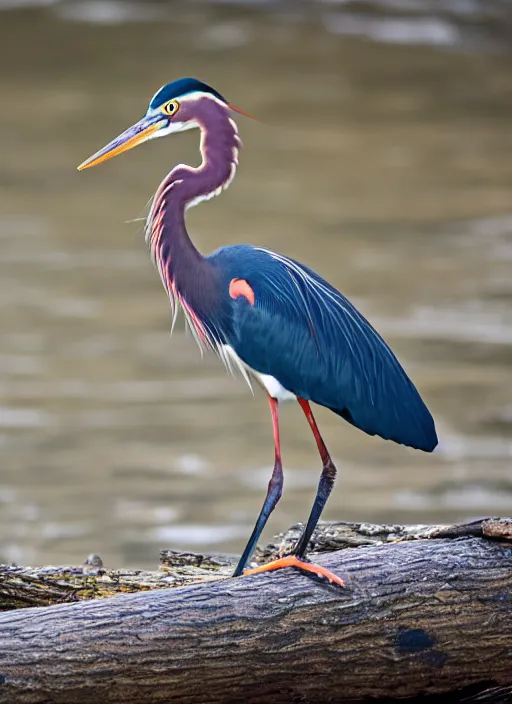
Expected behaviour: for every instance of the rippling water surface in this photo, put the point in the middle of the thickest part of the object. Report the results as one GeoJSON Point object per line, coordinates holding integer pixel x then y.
{"type": "Point", "coordinates": [383, 161]}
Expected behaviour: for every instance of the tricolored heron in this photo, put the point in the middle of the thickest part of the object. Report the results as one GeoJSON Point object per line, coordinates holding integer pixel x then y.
{"type": "Point", "coordinates": [271, 317]}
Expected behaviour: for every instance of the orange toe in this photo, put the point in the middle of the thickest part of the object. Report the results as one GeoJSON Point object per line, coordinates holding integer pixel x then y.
{"type": "Point", "coordinates": [292, 561]}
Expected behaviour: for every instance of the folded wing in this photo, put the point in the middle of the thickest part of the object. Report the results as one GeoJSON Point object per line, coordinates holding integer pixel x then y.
{"type": "Point", "coordinates": [307, 335]}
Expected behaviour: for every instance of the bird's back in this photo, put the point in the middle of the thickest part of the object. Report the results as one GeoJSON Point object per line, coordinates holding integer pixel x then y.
{"type": "Point", "coordinates": [309, 337]}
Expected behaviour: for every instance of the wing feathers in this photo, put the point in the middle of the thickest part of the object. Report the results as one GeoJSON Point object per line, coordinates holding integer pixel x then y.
{"type": "Point", "coordinates": [308, 336]}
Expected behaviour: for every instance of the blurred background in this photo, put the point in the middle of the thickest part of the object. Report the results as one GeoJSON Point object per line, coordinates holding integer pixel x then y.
{"type": "Point", "coordinates": [384, 161]}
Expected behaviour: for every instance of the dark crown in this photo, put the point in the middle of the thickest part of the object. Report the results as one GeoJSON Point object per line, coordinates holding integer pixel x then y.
{"type": "Point", "coordinates": [179, 88]}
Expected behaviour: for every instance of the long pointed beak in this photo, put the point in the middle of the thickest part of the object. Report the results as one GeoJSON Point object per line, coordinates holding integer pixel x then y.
{"type": "Point", "coordinates": [137, 133]}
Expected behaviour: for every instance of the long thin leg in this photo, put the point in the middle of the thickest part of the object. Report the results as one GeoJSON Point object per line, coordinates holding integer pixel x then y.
{"type": "Point", "coordinates": [325, 484]}
{"type": "Point", "coordinates": [324, 489]}
{"type": "Point", "coordinates": [275, 488]}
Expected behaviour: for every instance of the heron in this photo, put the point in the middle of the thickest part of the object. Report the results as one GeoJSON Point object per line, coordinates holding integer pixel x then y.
{"type": "Point", "coordinates": [275, 320]}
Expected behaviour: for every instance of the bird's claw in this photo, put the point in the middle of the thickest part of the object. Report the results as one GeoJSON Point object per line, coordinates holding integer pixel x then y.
{"type": "Point", "coordinates": [293, 561]}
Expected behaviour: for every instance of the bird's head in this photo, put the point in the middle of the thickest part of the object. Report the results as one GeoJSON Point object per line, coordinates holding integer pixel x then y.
{"type": "Point", "coordinates": [177, 106]}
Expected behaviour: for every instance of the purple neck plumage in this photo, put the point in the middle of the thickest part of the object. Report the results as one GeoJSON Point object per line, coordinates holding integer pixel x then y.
{"type": "Point", "coordinates": [185, 186]}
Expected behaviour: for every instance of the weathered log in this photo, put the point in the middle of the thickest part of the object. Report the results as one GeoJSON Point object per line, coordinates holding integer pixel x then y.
{"type": "Point", "coordinates": [416, 617]}
{"type": "Point", "coordinates": [41, 586]}
{"type": "Point", "coordinates": [22, 587]}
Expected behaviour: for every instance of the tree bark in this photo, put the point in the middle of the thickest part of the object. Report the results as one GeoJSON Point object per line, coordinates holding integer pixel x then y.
{"type": "Point", "coordinates": [416, 617]}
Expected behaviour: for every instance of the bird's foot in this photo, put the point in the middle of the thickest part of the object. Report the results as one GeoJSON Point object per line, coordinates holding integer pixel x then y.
{"type": "Point", "coordinates": [293, 561]}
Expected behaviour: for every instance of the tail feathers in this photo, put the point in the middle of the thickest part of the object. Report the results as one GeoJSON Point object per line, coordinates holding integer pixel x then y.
{"type": "Point", "coordinates": [414, 428]}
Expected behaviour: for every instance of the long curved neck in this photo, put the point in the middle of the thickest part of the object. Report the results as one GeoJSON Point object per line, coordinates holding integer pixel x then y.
{"type": "Point", "coordinates": [186, 186]}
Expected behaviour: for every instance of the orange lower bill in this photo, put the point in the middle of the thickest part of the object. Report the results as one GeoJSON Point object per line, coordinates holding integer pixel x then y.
{"type": "Point", "coordinates": [292, 561]}
{"type": "Point", "coordinates": [121, 144]}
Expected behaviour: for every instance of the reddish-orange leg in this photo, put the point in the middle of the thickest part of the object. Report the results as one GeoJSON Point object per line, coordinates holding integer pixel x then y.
{"type": "Point", "coordinates": [275, 488]}
{"type": "Point", "coordinates": [324, 489]}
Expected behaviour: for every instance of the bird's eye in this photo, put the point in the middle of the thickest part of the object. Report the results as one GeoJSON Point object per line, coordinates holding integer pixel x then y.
{"type": "Point", "coordinates": [170, 108]}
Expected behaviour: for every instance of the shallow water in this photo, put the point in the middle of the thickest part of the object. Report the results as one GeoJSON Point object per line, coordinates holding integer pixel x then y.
{"type": "Point", "coordinates": [385, 165]}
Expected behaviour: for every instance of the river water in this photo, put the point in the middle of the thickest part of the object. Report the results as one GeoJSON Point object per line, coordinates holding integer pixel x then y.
{"type": "Point", "coordinates": [383, 160]}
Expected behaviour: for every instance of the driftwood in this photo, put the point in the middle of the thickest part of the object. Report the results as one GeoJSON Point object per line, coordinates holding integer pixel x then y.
{"type": "Point", "coordinates": [426, 610]}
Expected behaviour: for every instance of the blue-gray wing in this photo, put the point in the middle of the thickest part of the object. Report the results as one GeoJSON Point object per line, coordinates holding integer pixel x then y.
{"type": "Point", "coordinates": [307, 335]}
